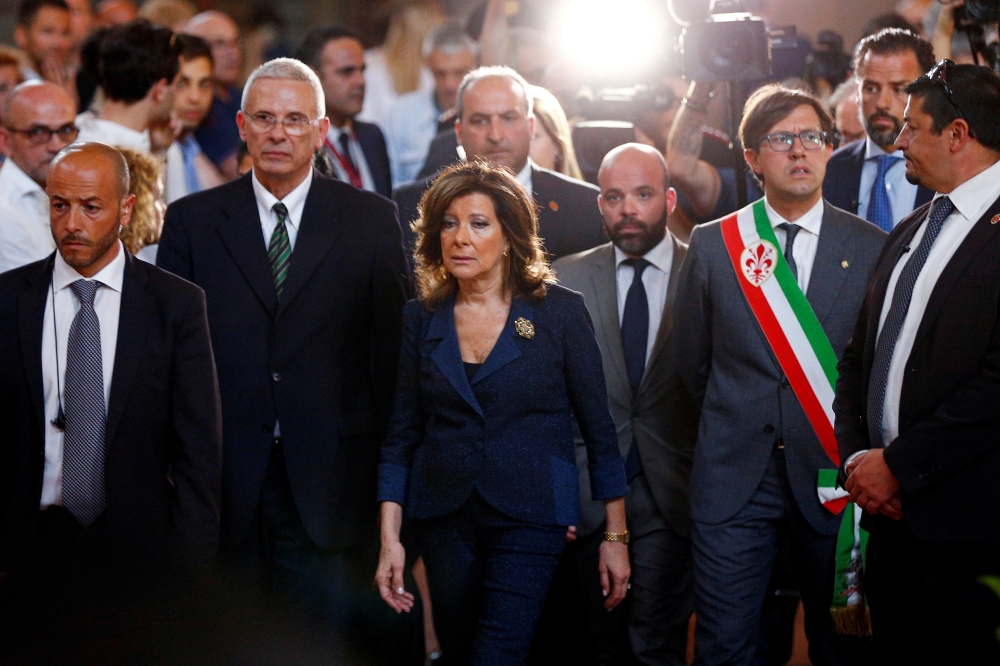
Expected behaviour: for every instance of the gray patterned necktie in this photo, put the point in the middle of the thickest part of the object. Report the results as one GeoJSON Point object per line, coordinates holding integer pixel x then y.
{"type": "Point", "coordinates": [878, 380]}
{"type": "Point", "coordinates": [86, 414]}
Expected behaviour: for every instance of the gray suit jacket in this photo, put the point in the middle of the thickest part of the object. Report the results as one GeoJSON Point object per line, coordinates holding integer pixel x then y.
{"type": "Point", "coordinates": [725, 361]}
{"type": "Point", "coordinates": [662, 419]}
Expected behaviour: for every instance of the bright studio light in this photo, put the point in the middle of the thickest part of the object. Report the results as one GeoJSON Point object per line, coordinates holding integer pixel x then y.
{"type": "Point", "coordinates": [612, 36]}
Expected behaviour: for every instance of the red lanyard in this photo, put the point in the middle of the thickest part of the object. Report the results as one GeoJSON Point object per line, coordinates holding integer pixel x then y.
{"type": "Point", "coordinates": [352, 173]}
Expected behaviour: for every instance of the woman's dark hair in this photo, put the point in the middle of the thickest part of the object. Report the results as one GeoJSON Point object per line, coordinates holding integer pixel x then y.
{"type": "Point", "coordinates": [976, 92]}
{"type": "Point", "coordinates": [134, 57]}
{"type": "Point", "coordinates": [526, 271]}
{"type": "Point", "coordinates": [772, 103]}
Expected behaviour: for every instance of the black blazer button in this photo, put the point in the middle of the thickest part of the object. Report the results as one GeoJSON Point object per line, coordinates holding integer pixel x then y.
{"type": "Point", "coordinates": [784, 382]}
{"type": "Point", "coordinates": [768, 429]}
{"type": "Point", "coordinates": [276, 376]}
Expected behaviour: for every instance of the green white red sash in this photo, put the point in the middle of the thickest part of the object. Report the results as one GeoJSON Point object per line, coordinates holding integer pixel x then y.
{"type": "Point", "coordinates": [806, 357]}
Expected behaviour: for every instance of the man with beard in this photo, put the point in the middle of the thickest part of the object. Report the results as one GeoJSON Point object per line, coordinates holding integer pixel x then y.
{"type": "Point", "coordinates": [868, 177]}
{"type": "Point", "coordinates": [629, 287]}
{"type": "Point", "coordinates": [37, 124]}
{"type": "Point", "coordinates": [112, 449]}
{"type": "Point", "coordinates": [765, 296]}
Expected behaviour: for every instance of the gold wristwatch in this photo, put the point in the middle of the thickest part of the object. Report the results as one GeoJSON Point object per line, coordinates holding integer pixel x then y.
{"type": "Point", "coordinates": [622, 537]}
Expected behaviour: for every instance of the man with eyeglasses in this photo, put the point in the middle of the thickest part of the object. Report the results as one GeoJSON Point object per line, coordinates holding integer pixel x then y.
{"type": "Point", "coordinates": [307, 280]}
{"type": "Point", "coordinates": [38, 122]}
{"type": "Point", "coordinates": [868, 176]}
{"type": "Point", "coordinates": [766, 301]}
{"type": "Point", "coordinates": [917, 417]}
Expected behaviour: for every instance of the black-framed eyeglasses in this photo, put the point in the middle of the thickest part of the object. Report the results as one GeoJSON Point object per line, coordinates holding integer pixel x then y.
{"type": "Point", "coordinates": [782, 142]}
{"type": "Point", "coordinates": [939, 74]}
{"type": "Point", "coordinates": [40, 134]}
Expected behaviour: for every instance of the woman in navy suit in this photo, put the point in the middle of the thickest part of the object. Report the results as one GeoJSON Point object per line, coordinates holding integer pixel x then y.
{"type": "Point", "coordinates": [495, 363]}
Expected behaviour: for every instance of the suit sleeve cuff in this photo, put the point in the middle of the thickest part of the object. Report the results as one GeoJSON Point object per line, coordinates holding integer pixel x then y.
{"type": "Point", "coordinates": [392, 480]}
{"type": "Point", "coordinates": [607, 479]}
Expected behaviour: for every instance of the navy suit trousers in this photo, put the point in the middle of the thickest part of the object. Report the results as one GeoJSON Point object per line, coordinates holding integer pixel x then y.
{"type": "Point", "coordinates": [489, 576]}
{"type": "Point", "coordinates": [732, 564]}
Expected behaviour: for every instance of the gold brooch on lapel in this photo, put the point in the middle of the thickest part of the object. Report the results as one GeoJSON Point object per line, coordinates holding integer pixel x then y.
{"type": "Point", "coordinates": [554, 206]}
{"type": "Point", "coordinates": [995, 219]}
{"type": "Point", "coordinates": [524, 328]}
{"type": "Point", "coordinates": [844, 264]}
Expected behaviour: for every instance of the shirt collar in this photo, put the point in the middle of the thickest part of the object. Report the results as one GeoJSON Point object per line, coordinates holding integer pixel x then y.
{"type": "Point", "coordinates": [292, 200]}
{"type": "Point", "coordinates": [524, 175]}
{"type": "Point", "coordinates": [810, 222]}
{"type": "Point", "coordinates": [660, 256]}
{"type": "Point", "coordinates": [970, 196]}
{"type": "Point", "coordinates": [16, 183]}
{"type": "Point", "coordinates": [334, 134]}
{"type": "Point", "coordinates": [111, 276]}
{"type": "Point", "coordinates": [873, 151]}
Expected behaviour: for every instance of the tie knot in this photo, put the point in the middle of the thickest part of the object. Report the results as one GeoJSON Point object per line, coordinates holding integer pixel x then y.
{"type": "Point", "coordinates": [942, 208]}
{"type": "Point", "coordinates": [791, 230]}
{"type": "Point", "coordinates": [638, 265]}
{"type": "Point", "coordinates": [281, 211]}
{"type": "Point", "coordinates": [886, 161]}
{"type": "Point", "coordinates": [85, 290]}
{"type": "Point", "coordinates": [345, 142]}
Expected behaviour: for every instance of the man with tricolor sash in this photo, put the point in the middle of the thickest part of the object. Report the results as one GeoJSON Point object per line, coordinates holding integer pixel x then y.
{"type": "Point", "coordinates": [766, 302]}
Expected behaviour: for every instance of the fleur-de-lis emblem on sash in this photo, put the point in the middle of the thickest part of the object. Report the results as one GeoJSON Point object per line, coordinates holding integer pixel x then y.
{"type": "Point", "coordinates": [758, 261]}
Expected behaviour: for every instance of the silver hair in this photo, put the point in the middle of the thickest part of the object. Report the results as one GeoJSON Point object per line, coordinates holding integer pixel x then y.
{"type": "Point", "coordinates": [450, 37]}
{"type": "Point", "coordinates": [488, 72]}
{"type": "Point", "coordinates": [288, 69]}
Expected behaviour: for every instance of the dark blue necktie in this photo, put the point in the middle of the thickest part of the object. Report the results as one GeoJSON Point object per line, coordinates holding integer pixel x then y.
{"type": "Point", "coordinates": [791, 231]}
{"type": "Point", "coordinates": [879, 207]}
{"type": "Point", "coordinates": [83, 440]}
{"type": "Point", "coordinates": [635, 337]}
{"type": "Point", "coordinates": [893, 324]}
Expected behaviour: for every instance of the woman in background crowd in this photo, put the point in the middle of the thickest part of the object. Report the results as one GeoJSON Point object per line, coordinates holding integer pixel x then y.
{"type": "Point", "coordinates": [495, 360]}
{"type": "Point", "coordinates": [396, 67]}
{"type": "Point", "coordinates": [141, 236]}
{"type": "Point", "coordinates": [552, 145]}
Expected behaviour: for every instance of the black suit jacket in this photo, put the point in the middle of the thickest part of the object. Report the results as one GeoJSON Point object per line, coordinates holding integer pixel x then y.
{"type": "Point", "coordinates": [842, 185]}
{"type": "Point", "coordinates": [442, 152]}
{"type": "Point", "coordinates": [376, 154]}
{"type": "Point", "coordinates": [322, 360]}
{"type": "Point", "coordinates": [164, 430]}
{"type": "Point", "coordinates": [947, 455]}
{"type": "Point", "coordinates": [569, 220]}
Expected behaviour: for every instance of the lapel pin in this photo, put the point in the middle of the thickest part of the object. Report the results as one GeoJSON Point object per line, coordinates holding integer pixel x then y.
{"type": "Point", "coordinates": [553, 206]}
{"type": "Point", "coordinates": [995, 219]}
{"type": "Point", "coordinates": [844, 264]}
{"type": "Point", "coordinates": [524, 328]}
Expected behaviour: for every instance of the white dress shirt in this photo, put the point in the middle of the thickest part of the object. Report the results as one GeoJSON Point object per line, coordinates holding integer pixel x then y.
{"type": "Point", "coordinates": [806, 242]}
{"type": "Point", "coordinates": [655, 279]}
{"type": "Point", "coordinates": [524, 177]}
{"type": "Point", "coordinates": [902, 193]}
{"type": "Point", "coordinates": [295, 202]}
{"type": "Point", "coordinates": [25, 233]}
{"type": "Point", "coordinates": [971, 200]}
{"type": "Point", "coordinates": [111, 133]}
{"type": "Point", "coordinates": [357, 156]}
{"type": "Point", "coordinates": [55, 334]}
{"type": "Point", "coordinates": [412, 125]}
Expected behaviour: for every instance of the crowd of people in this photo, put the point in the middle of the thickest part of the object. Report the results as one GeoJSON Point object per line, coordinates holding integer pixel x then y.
{"type": "Point", "coordinates": [337, 358]}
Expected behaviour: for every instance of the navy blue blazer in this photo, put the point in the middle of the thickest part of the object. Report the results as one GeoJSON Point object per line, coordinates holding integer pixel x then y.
{"type": "Point", "coordinates": [508, 435]}
{"type": "Point", "coordinates": [842, 185]}
{"type": "Point", "coordinates": [376, 154]}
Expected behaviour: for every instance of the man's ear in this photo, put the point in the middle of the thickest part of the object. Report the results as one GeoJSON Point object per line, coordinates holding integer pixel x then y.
{"type": "Point", "coordinates": [959, 134]}
{"type": "Point", "coordinates": [5, 141]}
{"type": "Point", "coordinates": [671, 201]}
{"type": "Point", "coordinates": [21, 37]}
{"type": "Point", "coordinates": [158, 90]}
{"type": "Point", "coordinates": [751, 158]}
{"type": "Point", "coordinates": [125, 207]}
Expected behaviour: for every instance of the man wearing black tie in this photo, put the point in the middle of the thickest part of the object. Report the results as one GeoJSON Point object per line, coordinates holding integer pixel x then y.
{"type": "Point", "coordinates": [916, 411]}
{"type": "Point", "coordinates": [112, 438]}
{"type": "Point", "coordinates": [358, 150]}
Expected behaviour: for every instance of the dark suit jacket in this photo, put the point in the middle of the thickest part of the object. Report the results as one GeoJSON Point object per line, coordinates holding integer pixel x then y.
{"type": "Point", "coordinates": [720, 352]}
{"type": "Point", "coordinates": [508, 435]}
{"type": "Point", "coordinates": [661, 419]}
{"type": "Point", "coordinates": [842, 185]}
{"type": "Point", "coordinates": [569, 220]}
{"type": "Point", "coordinates": [376, 154]}
{"type": "Point", "coordinates": [442, 152]}
{"type": "Point", "coordinates": [947, 455]}
{"type": "Point", "coordinates": [323, 360]}
{"type": "Point", "coordinates": [164, 431]}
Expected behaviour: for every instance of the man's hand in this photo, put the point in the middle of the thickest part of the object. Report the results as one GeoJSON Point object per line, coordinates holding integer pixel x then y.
{"type": "Point", "coordinates": [872, 485]}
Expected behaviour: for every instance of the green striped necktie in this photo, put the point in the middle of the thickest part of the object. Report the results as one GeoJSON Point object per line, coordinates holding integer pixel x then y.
{"type": "Point", "coordinates": [279, 250]}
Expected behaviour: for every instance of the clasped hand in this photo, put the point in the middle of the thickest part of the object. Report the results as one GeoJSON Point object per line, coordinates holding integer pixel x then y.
{"type": "Point", "coordinates": [872, 485]}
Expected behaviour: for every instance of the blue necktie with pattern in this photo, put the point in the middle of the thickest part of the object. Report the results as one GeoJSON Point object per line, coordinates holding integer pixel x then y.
{"type": "Point", "coordinates": [879, 378]}
{"type": "Point", "coordinates": [86, 414]}
{"type": "Point", "coordinates": [879, 207]}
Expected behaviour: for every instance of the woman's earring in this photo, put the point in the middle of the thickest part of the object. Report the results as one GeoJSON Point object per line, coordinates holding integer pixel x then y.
{"type": "Point", "coordinates": [505, 253]}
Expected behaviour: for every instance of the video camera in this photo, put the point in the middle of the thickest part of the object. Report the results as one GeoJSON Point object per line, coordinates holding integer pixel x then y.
{"type": "Point", "coordinates": [978, 19]}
